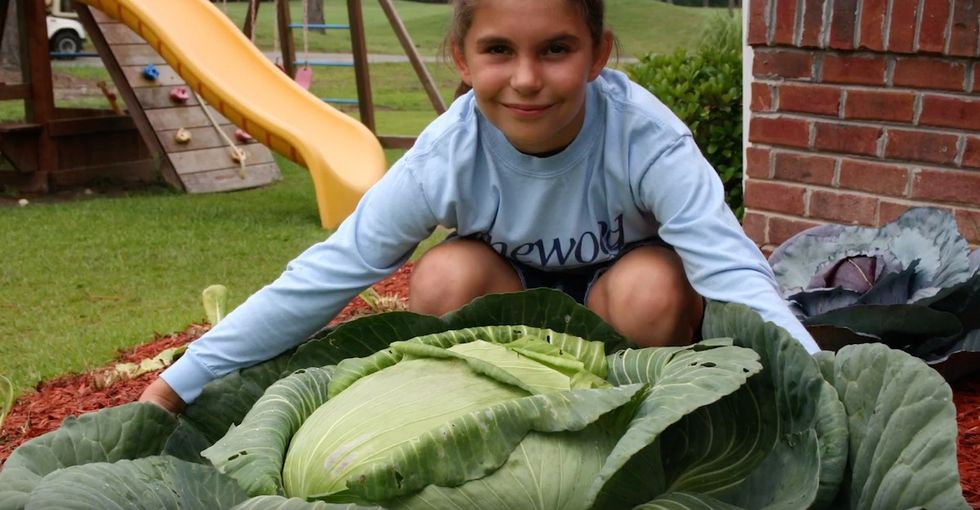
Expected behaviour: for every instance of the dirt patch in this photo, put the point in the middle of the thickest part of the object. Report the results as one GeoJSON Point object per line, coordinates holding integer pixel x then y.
{"type": "Point", "coordinates": [45, 409]}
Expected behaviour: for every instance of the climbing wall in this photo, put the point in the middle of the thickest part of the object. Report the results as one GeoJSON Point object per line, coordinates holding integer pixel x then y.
{"type": "Point", "coordinates": [202, 164]}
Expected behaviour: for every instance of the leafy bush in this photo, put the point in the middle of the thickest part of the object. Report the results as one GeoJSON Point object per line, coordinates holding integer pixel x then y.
{"type": "Point", "coordinates": [704, 89]}
{"type": "Point", "coordinates": [405, 411]}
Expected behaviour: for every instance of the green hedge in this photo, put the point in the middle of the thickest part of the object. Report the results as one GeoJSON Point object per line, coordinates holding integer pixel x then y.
{"type": "Point", "coordinates": [704, 88]}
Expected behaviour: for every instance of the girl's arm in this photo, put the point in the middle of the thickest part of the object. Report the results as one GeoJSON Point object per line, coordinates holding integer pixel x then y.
{"type": "Point", "coordinates": [390, 220]}
{"type": "Point", "coordinates": [686, 196]}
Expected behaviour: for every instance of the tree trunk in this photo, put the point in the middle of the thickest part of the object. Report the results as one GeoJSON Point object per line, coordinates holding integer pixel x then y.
{"type": "Point", "coordinates": [10, 45]}
{"type": "Point", "coordinates": [707, 3]}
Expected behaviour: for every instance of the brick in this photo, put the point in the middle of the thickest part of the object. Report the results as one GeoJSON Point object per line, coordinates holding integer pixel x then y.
{"type": "Point", "coordinates": [774, 196]}
{"type": "Point", "coordinates": [779, 131]}
{"type": "Point", "coordinates": [889, 211]}
{"type": "Point", "coordinates": [761, 97]}
{"type": "Point", "coordinates": [947, 111]}
{"type": "Point", "coordinates": [963, 31]}
{"type": "Point", "coordinates": [781, 229]}
{"type": "Point", "coordinates": [847, 139]}
{"type": "Point", "coordinates": [872, 25]}
{"type": "Point", "coordinates": [843, 207]}
{"type": "Point", "coordinates": [757, 162]}
{"type": "Point", "coordinates": [946, 186]}
{"type": "Point", "coordinates": [803, 168]}
{"type": "Point", "coordinates": [782, 64]}
{"type": "Point", "coordinates": [927, 73]}
{"type": "Point", "coordinates": [842, 24]}
{"type": "Point", "coordinates": [850, 69]}
{"type": "Point", "coordinates": [968, 222]}
{"type": "Point", "coordinates": [754, 225]}
{"type": "Point", "coordinates": [784, 22]}
{"type": "Point", "coordinates": [971, 153]}
{"type": "Point", "coordinates": [921, 146]}
{"type": "Point", "coordinates": [812, 28]}
{"type": "Point", "coordinates": [879, 105]}
{"type": "Point", "coordinates": [758, 26]}
{"type": "Point", "coordinates": [901, 32]}
{"type": "Point", "coordinates": [805, 98]}
{"type": "Point", "coordinates": [932, 26]}
{"type": "Point", "coordinates": [876, 178]}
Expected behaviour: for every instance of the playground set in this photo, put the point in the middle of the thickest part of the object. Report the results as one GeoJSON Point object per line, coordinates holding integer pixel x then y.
{"type": "Point", "coordinates": [202, 106]}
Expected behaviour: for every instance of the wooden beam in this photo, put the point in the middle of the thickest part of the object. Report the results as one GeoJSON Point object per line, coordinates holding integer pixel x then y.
{"type": "Point", "coordinates": [39, 108]}
{"type": "Point", "coordinates": [251, 17]}
{"type": "Point", "coordinates": [91, 125]}
{"type": "Point", "coordinates": [397, 142]}
{"type": "Point", "coordinates": [15, 91]}
{"type": "Point", "coordinates": [4, 7]}
{"type": "Point", "coordinates": [136, 111]}
{"type": "Point", "coordinates": [286, 38]}
{"type": "Point", "coordinates": [361, 72]}
{"type": "Point", "coordinates": [413, 56]}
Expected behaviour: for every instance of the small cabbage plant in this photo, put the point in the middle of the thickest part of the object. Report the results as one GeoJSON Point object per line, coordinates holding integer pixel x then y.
{"type": "Point", "coordinates": [912, 284]}
{"type": "Point", "coordinates": [524, 401]}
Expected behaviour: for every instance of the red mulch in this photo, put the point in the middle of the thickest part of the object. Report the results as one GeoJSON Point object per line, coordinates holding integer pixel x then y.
{"type": "Point", "coordinates": [42, 411]}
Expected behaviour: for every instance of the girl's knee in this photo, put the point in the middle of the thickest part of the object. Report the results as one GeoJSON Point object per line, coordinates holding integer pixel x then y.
{"type": "Point", "coordinates": [646, 296]}
{"type": "Point", "coordinates": [452, 274]}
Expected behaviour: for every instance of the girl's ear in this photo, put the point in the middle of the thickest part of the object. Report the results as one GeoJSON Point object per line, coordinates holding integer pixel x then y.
{"type": "Point", "coordinates": [460, 60]}
{"type": "Point", "coordinates": [601, 57]}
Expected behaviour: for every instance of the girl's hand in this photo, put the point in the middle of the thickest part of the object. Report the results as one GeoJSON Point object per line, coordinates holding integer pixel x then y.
{"type": "Point", "coordinates": [161, 394]}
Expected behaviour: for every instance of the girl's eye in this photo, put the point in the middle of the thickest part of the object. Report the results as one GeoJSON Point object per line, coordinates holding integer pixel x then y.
{"type": "Point", "coordinates": [557, 49]}
{"type": "Point", "coordinates": [496, 49]}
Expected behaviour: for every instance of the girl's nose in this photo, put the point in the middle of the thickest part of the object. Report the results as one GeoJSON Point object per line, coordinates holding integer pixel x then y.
{"type": "Point", "coordinates": [526, 78]}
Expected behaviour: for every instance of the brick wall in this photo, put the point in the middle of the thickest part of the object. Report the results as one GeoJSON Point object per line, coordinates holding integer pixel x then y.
{"type": "Point", "coordinates": [861, 109]}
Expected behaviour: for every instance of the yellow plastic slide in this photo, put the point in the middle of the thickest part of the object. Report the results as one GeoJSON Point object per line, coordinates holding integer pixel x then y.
{"type": "Point", "coordinates": [210, 53]}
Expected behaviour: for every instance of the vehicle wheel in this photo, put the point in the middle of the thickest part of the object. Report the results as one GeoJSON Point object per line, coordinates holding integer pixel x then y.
{"type": "Point", "coordinates": [66, 43]}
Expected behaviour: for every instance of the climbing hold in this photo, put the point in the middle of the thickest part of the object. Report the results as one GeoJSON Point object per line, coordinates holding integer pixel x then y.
{"type": "Point", "coordinates": [183, 136]}
{"type": "Point", "coordinates": [151, 72]}
{"type": "Point", "coordinates": [179, 94]}
{"type": "Point", "coordinates": [243, 136]}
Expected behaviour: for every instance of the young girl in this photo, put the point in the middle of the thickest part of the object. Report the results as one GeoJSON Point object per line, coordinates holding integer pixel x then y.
{"type": "Point", "coordinates": [554, 172]}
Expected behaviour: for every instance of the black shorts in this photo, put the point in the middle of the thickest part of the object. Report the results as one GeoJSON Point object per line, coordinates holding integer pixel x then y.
{"type": "Point", "coordinates": [576, 282]}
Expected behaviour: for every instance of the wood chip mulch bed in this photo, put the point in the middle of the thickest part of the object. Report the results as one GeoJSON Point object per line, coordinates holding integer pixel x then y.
{"type": "Point", "coordinates": [43, 410]}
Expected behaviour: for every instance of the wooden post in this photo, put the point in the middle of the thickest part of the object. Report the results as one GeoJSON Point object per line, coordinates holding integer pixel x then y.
{"type": "Point", "coordinates": [39, 107]}
{"type": "Point", "coordinates": [136, 111]}
{"type": "Point", "coordinates": [4, 6]}
{"type": "Point", "coordinates": [413, 56]}
{"type": "Point", "coordinates": [361, 73]}
{"type": "Point", "coordinates": [286, 38]}
{"type": "Point", "coordinates": [251, 16]}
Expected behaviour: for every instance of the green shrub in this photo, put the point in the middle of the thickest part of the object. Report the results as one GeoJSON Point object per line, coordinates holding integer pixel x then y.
{"type": "Point", "coordinates": [704, 88]}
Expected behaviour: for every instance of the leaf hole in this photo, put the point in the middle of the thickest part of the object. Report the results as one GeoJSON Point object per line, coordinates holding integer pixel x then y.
{"type": "Point", "coordinates": [399, 479]}
{"type": "Point", "coordinates": [708, 364]}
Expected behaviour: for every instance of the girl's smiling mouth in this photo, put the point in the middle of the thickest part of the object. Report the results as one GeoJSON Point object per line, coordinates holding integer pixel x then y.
{"type": "Point", "coordinates": [526, 110]}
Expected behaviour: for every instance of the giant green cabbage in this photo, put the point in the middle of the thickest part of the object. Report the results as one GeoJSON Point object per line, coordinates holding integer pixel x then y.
{"type": "Point", "coordinates": [521, 401]}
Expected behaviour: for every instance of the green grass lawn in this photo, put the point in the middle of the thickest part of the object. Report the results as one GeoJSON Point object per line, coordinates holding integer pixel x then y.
{"type": "Point", "coordinates": [642, 26]}
{"type": "Point", "coordinates": [81, 279]}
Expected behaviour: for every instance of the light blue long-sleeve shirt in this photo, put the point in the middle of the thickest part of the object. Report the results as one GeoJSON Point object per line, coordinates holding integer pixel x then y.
{"type": "Point", "coordinates": [633, 172]}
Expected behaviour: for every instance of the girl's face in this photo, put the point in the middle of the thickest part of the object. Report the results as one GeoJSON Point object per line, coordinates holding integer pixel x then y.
{"type": "Point", "coordinates": [528, 62]}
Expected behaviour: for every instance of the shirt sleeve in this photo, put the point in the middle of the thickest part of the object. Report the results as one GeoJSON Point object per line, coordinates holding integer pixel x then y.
{"type": "Point", "coordinates": [388, 223]}
{"type": "Point", "coordinates": [686, 196]}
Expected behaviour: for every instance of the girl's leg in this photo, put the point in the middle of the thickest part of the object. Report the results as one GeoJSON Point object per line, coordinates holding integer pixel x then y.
{"type": "Point", "coordinates": [646, 297]}
{"type": "Point", "coordinates": [453, 273]}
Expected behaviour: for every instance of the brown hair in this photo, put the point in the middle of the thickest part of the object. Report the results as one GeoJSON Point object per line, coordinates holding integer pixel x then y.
{"type": "Point", "coordinates": [593, 12]}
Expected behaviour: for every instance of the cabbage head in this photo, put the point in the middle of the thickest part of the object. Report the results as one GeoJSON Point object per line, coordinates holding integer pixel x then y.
{"type": "Point", "coordinates": [912, 284]}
